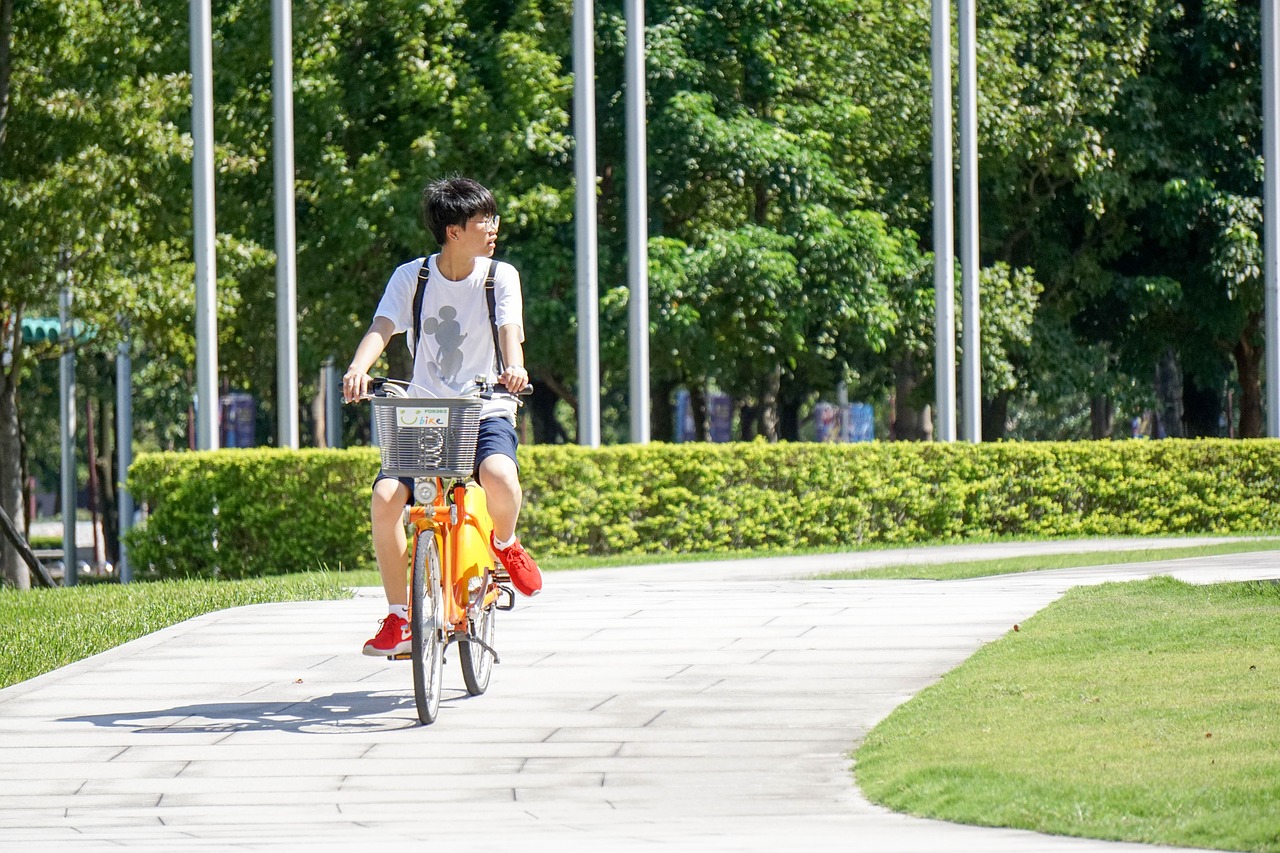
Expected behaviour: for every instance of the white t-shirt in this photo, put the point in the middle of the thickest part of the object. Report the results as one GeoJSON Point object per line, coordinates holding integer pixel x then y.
{"type": "Point", "coordinates": [457, 340]}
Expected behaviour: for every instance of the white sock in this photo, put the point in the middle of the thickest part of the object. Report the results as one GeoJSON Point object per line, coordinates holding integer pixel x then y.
{"type": "Point", "coordinates": [502, 546]}
{"type": "Point", "coordinates": [401, 610]}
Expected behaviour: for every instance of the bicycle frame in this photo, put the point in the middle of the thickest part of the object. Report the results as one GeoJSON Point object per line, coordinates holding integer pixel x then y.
{"type": "Point", "coordinates": [456, 582]}
{"type": "Point", "coordinates": [459, 518]}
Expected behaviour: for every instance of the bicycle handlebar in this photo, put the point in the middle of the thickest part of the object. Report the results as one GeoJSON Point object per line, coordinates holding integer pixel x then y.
{"type": "Point", "coordinates": [483, 389]}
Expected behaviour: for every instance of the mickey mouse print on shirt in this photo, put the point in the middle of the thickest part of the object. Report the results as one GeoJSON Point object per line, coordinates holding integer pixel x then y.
{"type": "Point", "coordinates": [447, 333]}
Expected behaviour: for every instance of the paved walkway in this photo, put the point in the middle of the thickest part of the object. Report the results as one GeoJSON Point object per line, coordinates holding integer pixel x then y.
{"type": "Point", "coordinates": [662, 708]}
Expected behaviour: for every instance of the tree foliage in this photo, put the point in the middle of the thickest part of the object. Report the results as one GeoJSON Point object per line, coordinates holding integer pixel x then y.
{"type": "Point", "coordinates": [87, 189]}
{"type": "Point", "coordinates": [789, 197]}
{"type": "Point", "coordinates": [1187, 190]}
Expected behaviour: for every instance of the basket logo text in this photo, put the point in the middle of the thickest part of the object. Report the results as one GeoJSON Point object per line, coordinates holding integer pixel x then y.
{"type": "Point", "coordinates": [422, 417]}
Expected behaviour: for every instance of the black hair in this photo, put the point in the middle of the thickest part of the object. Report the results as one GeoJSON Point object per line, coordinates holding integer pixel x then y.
{"type": "Point", "coordinates": [453, 201]}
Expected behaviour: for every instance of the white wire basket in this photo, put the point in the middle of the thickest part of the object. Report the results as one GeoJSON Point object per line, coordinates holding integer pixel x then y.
{"type": "Point", "coordinates": [427, 436]}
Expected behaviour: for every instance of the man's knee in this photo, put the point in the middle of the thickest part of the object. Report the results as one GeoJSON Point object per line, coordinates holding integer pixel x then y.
{"type": "Point", "coordinates": [500, 472]}
{"type": "Point", "coordinates": [388, 501]}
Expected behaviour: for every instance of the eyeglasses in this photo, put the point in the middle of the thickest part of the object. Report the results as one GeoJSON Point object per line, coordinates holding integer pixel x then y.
{"type": "Point", "coordinates": [490, 223]}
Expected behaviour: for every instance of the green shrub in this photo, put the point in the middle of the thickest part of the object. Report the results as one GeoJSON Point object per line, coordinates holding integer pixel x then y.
{"type": "Point", "coordinates": [243, 513]}
{"type": "Point", "coordinates": [248, 512]}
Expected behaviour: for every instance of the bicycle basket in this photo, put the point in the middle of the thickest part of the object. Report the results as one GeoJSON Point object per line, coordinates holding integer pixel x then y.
{"type": "Point", "coordinates": [427, 436]}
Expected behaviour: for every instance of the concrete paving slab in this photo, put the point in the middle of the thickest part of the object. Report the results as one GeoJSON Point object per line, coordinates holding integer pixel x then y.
{"type": "Point", "coordinates": [699, 707]}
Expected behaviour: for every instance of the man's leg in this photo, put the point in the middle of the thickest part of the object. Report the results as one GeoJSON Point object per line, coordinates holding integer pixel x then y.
{"type": "Point", "coordinates": [390, 547]}
{"type": "Point", "coordinates": [501, 482]}
{"type": "Point", "coordinates": [392, 552]}
{"type": "Point", "coordinates": [500, 478]}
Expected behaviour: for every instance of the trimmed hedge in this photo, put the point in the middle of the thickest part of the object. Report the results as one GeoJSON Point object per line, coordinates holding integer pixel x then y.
{"type": "Point", "coordinates": [245, 513]}
{"type": "Point", "coordinates": [238, 513]}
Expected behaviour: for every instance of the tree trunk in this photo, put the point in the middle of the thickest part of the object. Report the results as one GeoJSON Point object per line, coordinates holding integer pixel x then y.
{"type": "Point", "coordinates": [907, 422]}
{"type": "Point", "coordinates": [788, 417]}
{"type": "Point", "coordinates": [1169, 393]}
{"type": "Point", "coordinates": [748, 421]}
{"type": "Point", "coordinates": [1102, 416]}
{"type": "Point", "coordinates": [542, 414]}
{"type": "Point", "coordinates": [995, 417]}
{"type": "Point", "coordinates": [1202, 410]}
{"type": "Point", "coordinates": [6, 67]}
{"type": "Point", "coordinates": [698, 405]}
{"type": "Point", "coordinates": [23, 550]}
{"type": "Point", "coordinates": [1248, 362]}
{"type": "Point", "coordinates": [320, 429]}
{"type": "Point", "coordinates": [662, 416]}
{"type": "Point", "coordinates": [108, 479]}
{"type": "Point", "coordinates": [12, 569]}
{"type": "Point", "coordinates": [770, 392]}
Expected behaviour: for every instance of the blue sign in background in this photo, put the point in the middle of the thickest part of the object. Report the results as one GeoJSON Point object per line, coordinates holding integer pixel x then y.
{"type": "Point", "coordinates": [239, 411]}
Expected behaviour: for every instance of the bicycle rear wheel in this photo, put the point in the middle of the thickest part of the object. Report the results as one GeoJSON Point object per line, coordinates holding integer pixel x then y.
{"type": "Point", "coordinates": [427, 618]}
{"type": "Point", "coordinates": [477, 659]}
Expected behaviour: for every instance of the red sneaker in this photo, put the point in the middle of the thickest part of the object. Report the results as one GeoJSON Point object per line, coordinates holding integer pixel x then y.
{"type": "Point", "coordinates": [525, 576]}
{"type": "Point", "coordinates": [392, 639]}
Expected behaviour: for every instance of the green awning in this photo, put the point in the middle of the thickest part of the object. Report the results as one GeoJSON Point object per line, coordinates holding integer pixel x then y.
{"type": "Point", "coordinates": [39, 330]}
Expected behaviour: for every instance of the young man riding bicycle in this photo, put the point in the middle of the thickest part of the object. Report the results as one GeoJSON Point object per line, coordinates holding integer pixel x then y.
{"type": "Point", "coordinates": [456, 342]}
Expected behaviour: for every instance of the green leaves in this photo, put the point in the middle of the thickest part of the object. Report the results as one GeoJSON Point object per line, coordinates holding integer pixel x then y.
{"type": "Point", "coordinates": [790, 194]}
{"type": "Point", "coordinates": [762, 148]}
{"type": "Point", "coordinates": [242, 513]}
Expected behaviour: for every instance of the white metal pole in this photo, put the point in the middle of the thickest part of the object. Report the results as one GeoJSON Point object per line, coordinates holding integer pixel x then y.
{"type": "Point", "coordinates": [332, 404]}
{"type": "Point", "coordinates": [124, 452]}
{"type": "Point", "coordinates": [286, 254]}
{"type": "Point", "coordinates": [971, 342]}
{"type": "Point", "coordinates": [584, 131]}
{"type": "Point", "coordinates": [67, 412]}
{"type": "Point", "coordinates": [203, 221]}
{"type": "Point", "coordinates": [1271, 209]}
{"type": "Point", "coordinates": [943, 227]}
{"type": "Point", "coordinates": [637, 223]}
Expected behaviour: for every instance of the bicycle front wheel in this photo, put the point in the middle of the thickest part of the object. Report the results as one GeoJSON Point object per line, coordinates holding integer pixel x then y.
{"type": "Point", "coordinates": [427, 619]}
{"type": "Point", "coordinates": [477, 659]}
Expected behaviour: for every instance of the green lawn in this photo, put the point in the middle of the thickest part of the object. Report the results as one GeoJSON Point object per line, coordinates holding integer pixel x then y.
{"type": "Point", "coordinates": [1143, 711]}
{"type": "Point", "coordinates": [44, 629]}
{"type": "Point", "coordinates": [1013, 565]}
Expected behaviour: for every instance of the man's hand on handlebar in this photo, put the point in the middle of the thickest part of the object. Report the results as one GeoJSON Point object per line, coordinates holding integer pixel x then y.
{"type": "Point", "coordinates": [356, 385]}
{"type": "Point", "coordinates": [515, 378]}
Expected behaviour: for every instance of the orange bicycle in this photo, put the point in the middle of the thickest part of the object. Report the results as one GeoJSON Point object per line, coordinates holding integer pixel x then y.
{"type": "Point", "coordinates": [456, 585]}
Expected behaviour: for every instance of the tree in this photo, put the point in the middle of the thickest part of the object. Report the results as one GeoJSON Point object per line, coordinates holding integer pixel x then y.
{"type": "Point", "coordinates": [388, 96]}
{"type": "Point", "coordinates": [1186, 191]}
{"type": "Point", "coordinates": [1064, 67]}
{"type": "Point", "coordinates": [760, 197]}
{"type": "Point", "coordinates": [87, 140]}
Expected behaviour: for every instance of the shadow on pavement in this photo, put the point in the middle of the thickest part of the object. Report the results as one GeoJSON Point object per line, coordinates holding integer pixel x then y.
{"type": "Point", "coordinates": [338, 713]}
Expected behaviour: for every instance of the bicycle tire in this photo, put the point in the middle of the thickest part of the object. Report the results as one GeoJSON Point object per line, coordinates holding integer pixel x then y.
{"type": "Point", "coordinates": [427, 616]}
{"type": "Point", "coordinates": [477, 660]}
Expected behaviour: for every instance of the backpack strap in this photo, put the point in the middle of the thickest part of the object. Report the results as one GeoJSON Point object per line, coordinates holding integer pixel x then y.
{"type": "Point", "coordinates": [418, 294]}
{"type": "Point", "coordinates": [490, 298]}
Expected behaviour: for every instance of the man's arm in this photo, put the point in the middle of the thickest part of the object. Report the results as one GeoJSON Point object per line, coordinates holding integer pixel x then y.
{"type": "Point", "coordinates": [514, 374]}
{"type": "Point", "coordinates": [355, 382]}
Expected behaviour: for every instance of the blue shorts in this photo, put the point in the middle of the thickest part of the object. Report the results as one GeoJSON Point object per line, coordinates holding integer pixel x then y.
{"type": "Point", "coordinates": [497, 436]}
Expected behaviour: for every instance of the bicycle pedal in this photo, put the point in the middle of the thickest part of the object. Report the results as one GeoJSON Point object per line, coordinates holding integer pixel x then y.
{"type": "Point", "coordinates": [510, 596]}
{"type": "Point", "coordinates": [405, 656]}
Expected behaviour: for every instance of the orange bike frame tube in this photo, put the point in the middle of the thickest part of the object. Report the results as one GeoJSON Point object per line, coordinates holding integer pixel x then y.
{"type": "Point", "coordinates": [451, 544]}
{"type": "Point", "coordinates": [436, 519]}
{"type": "Point", "coordinates": [457, 609]}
